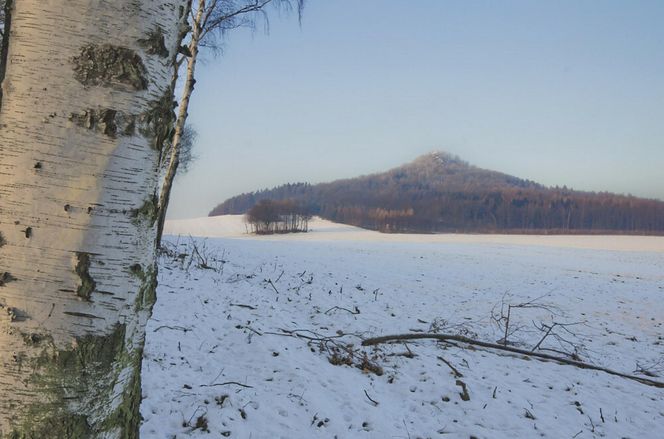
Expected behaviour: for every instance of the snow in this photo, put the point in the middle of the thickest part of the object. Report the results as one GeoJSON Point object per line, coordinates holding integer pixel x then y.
{"type": "Point", "coordinates": [227, 345]}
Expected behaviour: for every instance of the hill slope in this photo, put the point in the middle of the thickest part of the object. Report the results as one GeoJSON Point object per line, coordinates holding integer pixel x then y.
{"type": "Point", "coordinates": [439, 192]}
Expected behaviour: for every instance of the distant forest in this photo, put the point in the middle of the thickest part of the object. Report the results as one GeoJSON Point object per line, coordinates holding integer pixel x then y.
{"type": "Point", "coordinates": [441, 193]}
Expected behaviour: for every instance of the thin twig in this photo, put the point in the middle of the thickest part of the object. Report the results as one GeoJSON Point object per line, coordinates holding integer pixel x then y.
{"type": "Point", "coordinates": [226, 384]}
{"type": "Point", "coordinates": [370, 399]}
{"type": "Point", "coordinates": [457, 374]}
{"type": "Point", "coordinates": [175, 328]}
{"type": "Point", "coordinates": [243, 306]}
{"type": "Point", "coordinates": [297, 333]}
{"type": "Point", "coordinates": [357, 310]}
{"type": "Point", "coordinates": [282, 273]}
{"type": "Point", "coordinates": [249, 328]}
{"type": "Point", "coordinates": [544, 337]}
{"type": "Point", "coordinates": [273, 287]}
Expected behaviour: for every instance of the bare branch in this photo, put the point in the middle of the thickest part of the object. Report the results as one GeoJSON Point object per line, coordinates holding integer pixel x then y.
{"type": "Point", "coordinates": [178, 328]}
{"type": "Point", "coordinates": [370, 399]}
{"type": "Point", "coordinates": [457, 374]}
{"type": "Point", "coordinates": [356, 311]}
{"type": "Point", "coordinates": [242, 305]}
{"type": "Point", "coordinates": [462, 339]}
{"type": "Point", "coordinates": [226, 384]}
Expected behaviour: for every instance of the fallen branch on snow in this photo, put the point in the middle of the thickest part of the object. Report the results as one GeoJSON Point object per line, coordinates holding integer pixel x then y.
{"type": "Point", "coordinates": [297, 333]}
{"type": "Point", "coordinates": [457, 374]}
{"type": "Point", "coordinates": [226, 384]}
{"type": "Point", "coordinates": [175, 328]}
{"type": "Point", "coordinates": [273, 287]}
{"type": "Point", "coordinates": [370, 399]}
{"type": "Point", "coordinates": [357, 310]}
{"type": "Point", "coordinates": [462, 339]}
{"type": "Point", "coordinates": [241, 305]}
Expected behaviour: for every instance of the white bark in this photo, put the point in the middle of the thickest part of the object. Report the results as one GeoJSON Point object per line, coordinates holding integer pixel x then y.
{"type": "Point", "coordinates": [77, 209]}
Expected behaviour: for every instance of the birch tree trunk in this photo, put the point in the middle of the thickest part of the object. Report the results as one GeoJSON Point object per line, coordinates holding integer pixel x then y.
{"type": "Point", "coordinates": [181, 120]}
{"type": "Point", "coordinates": [86, 106]}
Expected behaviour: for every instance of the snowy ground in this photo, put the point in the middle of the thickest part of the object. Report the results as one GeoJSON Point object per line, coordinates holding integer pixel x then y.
{"type": "Point", "coordinates": [242, 348]}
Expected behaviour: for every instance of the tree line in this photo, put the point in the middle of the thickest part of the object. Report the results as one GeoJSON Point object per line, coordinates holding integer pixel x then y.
{"type": "Point", "coordinates": [440, 193]}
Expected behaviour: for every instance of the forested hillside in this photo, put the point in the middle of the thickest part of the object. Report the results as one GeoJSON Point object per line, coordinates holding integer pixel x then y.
{"type": "Point", "coordinates": [441, 193]}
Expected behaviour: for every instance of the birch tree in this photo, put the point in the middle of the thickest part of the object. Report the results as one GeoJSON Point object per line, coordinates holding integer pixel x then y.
{"type": "Point", "coordinates": [210, 20]}
{"type": "Point", "coordinates": [86, 106]}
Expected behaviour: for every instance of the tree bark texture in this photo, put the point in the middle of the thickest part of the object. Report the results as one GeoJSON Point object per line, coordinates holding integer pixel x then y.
{"type": "Point", "coordinates": [86, 106]}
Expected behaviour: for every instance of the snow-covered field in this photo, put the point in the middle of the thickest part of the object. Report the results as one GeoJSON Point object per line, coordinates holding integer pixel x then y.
{"type": "Point", "coordinates": [242, 348]}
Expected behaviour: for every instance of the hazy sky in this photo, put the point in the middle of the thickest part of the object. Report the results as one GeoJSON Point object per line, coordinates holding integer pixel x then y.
{"type": "Point", "coordinates": [563, 93]}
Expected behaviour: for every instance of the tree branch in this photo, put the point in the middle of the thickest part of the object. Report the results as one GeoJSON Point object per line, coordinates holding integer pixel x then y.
{"type": "Point", "coordinates": [462, 339]}
{"type": "Point", "coordinates": [226, 384]}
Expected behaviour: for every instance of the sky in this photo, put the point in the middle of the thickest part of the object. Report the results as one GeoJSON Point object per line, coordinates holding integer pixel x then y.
{"type": "Point", "coordinates": [562, 93]}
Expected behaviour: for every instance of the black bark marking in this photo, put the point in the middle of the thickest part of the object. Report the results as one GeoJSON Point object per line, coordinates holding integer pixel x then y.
{"type": "Point", "coordinates": [184, 50]}
{"type": "Point", "coordinates": [137, 270]}
{"type": "Point", "coordinates": [38, 165]}
{"type": "Point", "coordinates": [154, 43]}
{"type": "Point", "coordinates": [148, 212]}
{"type": "Point", "coordinates": [157, 122]}
{"type": "Point", "coordinates": [106, 121]}
{"type": "Point", "coordinates": [5, 278]}
{"type": "Point", "coordinates": [16, 315]}
{"type": "Point", "coordinates": [32, 339]}
{"type": "Point", "coordinates": [3, 242]}
{"type": "Point", "coordinates": [88, 284]}
{"type": "Point", "coordinates": [82, 314]}
{"type": "Point", "coordinates": [28, 232]}
{"type": "Point", "coordinates": [110, 66]}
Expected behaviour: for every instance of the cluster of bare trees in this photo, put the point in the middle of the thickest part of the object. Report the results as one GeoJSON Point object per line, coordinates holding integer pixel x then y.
{"type": "Point", "coordinates": [440, 193]}
{"type": "Point", "coordinates": [285, 216]}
